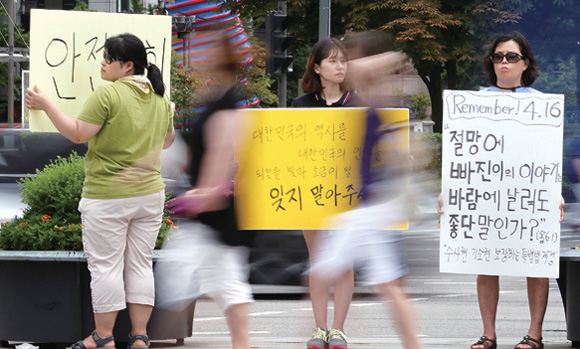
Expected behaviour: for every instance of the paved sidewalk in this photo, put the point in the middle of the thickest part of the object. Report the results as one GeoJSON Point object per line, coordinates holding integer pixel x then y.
{"type": "Point", "coordinates": [354, 343]}
{"type": "Point", "coordinates": [223, 342]}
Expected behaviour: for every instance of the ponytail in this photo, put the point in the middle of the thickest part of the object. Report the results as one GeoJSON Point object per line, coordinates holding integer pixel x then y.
{"type": "Point", "coordinates": [156, 79]}
{"type": "Point", "coordinates": [128, 47]}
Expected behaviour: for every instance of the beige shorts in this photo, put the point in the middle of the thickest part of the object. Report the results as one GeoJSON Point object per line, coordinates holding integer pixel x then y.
{"type": "Point", "coordinates": [119, 237]}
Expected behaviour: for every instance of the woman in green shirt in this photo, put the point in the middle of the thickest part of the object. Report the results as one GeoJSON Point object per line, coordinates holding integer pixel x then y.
{"type": "Point", "coordinates": [127, 124]}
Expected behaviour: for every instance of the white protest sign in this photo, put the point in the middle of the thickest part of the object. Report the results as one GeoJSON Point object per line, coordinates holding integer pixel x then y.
{"type": "Point", "coordinates": [501, 183]}
{"type": "Point", "coordinates": [66, 50]}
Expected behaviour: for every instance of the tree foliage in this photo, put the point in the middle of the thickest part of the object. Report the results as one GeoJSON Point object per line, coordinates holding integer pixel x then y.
{"type": "Point", "coordinates": [445, 38]}
{"type": "Point", "coordinates": [553, 27]}
{"type": "Point", "coordinates": [21, 39]}
{"type": "Point", "coordinates": [561, 79]}
{"type": "Point", "coordinates": [421, 29]}
{"type": "Point", "coordinates": [81, 6]}
{"type": "Point", "coordinates": [258, 82]}
{"type": "Point", "coordinates": [189, 86]}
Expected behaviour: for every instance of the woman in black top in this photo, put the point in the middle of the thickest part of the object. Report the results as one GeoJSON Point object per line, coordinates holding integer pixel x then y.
{"type": "Point", "coordinates": [324, 82]}
{"type": "Point", "coordinates": [209, 255]}
{"type": "Point", "coordinates": [325, 86]}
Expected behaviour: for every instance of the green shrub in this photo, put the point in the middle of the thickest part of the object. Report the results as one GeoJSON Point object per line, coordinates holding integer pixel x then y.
{"type": "Point", "coordinates": [55, 190]}
{"type": "Point", "coordinates": [52, 222]}
{"type": "Point", "coordinates": [40, 233]}
{"type": "Point", "coordinates": [418, 104]}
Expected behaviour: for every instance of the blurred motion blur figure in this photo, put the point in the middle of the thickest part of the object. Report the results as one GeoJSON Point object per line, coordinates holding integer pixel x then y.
{"type": "Point", "coordinates": [359, 238]}
{"type": "Point", "coordinates": [208, 255]}
{"type": "Point", "coordinates": [324, 85]}
{"type": "Point", "coordinates": [572, 170]}
{"type": "Point", "coordinates": [373, 67]}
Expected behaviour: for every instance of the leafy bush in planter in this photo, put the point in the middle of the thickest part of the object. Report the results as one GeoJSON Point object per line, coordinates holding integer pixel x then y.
{"type": "Point", "coordinates": [52, 221]}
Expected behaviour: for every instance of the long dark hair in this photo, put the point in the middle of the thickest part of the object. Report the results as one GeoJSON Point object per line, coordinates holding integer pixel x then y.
{"type": "Point", "coordinates": [230, 60]}
{"type": "Point", "coordinates": [128, 47]}
{"type": "Point", "coordinates": [529, 75]}
{"type": "Point", "coordinates": [322, 50]}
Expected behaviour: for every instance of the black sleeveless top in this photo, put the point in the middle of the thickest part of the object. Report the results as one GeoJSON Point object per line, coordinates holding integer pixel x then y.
{"type": "Point", "coordinates": [223, 221]}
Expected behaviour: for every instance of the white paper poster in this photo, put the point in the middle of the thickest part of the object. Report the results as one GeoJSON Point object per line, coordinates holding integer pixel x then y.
{"type": "Point", "coordinates": [501, 183]}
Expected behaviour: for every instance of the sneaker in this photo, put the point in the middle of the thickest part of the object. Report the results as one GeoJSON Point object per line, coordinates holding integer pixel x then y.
{"type": "Point", "coordinates": [337, 339]}
{"type": "Point", "coordinates": [319, 339]}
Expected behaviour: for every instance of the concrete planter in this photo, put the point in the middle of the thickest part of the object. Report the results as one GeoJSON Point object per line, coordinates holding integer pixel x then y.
{"type": "Point", "coordinates": [569, 284]}
{"type": "Point", "coordinates": [45, 298]}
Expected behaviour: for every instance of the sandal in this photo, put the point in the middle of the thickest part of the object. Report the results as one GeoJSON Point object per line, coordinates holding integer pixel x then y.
{"type": "Point", "coordinates": [100, 341]}
{"type": "Point", "coordinates": [532, 342]}
{"type": "Point", "coordinates": [138, 337]}
{"type": "Point", "coordinates": [487, 343]}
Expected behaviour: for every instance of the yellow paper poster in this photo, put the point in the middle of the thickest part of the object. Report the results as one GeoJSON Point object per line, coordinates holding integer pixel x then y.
{"type": "Point", "coordinates": [66, 50]}
{"type": "Point", "coordinates": [298, 167]}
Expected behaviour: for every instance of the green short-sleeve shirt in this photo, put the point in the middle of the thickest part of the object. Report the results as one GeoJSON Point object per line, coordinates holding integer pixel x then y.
{"type": "Point", "coordinates": [123, 157]}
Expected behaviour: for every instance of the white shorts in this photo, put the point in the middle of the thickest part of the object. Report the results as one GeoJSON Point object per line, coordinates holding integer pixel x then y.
{"type": "Point", "coordinates": [195, 262]}
{"type": "Point", "coordinates": [118, 238]}
{"type": "Point", "coordinates": [357, 241]}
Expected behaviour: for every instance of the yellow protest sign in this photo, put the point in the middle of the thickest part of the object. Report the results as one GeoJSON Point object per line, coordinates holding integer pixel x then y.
{"type": "Point", "coordinates": [66, 50]}
{"type": "Point", "coordinates": [297, 167]}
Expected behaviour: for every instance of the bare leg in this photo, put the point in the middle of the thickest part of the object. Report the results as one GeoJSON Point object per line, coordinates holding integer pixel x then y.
{"type": "Point", "coordinates": [238, 323]}
{"type": "Point", "coordinates": [139, 314]}
{"type": "Point", "coordinates": [343, 290]}
{"type": "Point", "coordinates": [319, 287]}
{"type": "Point", "coordinates": [488, 296]}
{"type": "Point", "coordinates": [402, 311]}
{"type": "Point", "coordinates": [104, 324]}
{"type": "Point", "coordinates": [538, 301]}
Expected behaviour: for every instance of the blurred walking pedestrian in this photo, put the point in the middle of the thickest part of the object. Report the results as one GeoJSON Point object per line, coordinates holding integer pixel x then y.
{"type": "Point", "coordinates": [126, 124]}
{"type": "Point", "coordinates": [208, 255]}
{"type": "Point", "coordinates": [324, 86]}
{"type": "Point", "coordinates": [572, 169]}
{"type": "Point", "coordinates": [358, 236]}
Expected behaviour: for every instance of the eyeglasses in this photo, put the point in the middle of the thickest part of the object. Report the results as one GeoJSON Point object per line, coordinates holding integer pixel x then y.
{"type": "Point", "coordinates": [511, 57]}
{"type": "Point", "coordinates": [109, 59]}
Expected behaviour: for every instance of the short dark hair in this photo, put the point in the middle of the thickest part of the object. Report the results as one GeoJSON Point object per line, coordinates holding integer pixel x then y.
{"type": "Point", "coordinates": [323, 49]}
{"type": "Point", "coordinates": [529, 75]}
{"type": "Point", "coordinates": [128, 47]}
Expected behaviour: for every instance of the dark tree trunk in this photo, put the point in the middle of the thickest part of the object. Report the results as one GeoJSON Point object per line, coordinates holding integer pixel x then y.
{"type": "Point", "coordinates": [431, 76]}
{"type": "Point", "coordinates": [451, 68]}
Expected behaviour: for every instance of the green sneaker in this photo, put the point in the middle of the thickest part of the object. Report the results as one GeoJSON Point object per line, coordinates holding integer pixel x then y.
{"type": "Point", "coordinates": [337, 339]}
{"type": "Point", "coordinates": [319, 339]}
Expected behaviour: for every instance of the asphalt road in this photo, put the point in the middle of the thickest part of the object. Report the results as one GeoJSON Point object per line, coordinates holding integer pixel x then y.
{"type": "Point", "coordinates": [445, 304]}
{"type": "Point", "coordinates": [10, 204]}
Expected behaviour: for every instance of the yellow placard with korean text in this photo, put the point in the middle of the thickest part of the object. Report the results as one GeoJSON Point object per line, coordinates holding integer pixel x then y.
{"type": "Point", "coordinates": [66, 50]}
{"type": "Point", "coordinates": [298, 167]}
